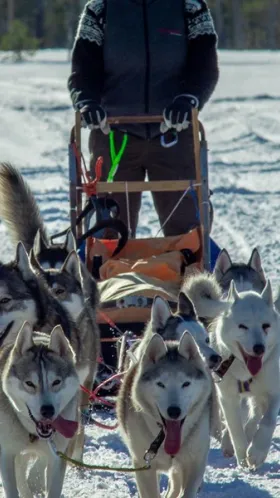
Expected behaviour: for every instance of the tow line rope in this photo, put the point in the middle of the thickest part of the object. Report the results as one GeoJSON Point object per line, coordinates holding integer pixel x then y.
{"type": "Point", "coordinates": [150, 454]}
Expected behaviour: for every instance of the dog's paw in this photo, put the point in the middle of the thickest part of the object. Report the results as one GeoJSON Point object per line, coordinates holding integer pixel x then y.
{"type": "Point", "coordinates": [242, 462]}
{"type": "Point", "coordinates": [241, 457]}
{"type": "Point", "coordinates": [227, 448]}
{"type": "Point", "coordinates": [255, 457]}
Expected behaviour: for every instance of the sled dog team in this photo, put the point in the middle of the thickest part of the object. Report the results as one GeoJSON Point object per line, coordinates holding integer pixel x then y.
{"type": "Point", "coordinates": [211, 369]}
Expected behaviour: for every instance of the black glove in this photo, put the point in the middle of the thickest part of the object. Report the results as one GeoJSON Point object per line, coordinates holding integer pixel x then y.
{"type": "Point", "coordinates": [177, 115]}
{"type": "Point", "coordinates": [93, 116]}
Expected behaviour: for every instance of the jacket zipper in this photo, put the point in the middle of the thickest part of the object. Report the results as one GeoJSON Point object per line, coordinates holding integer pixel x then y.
{"type": "Point", "coordinates": [147, 75]}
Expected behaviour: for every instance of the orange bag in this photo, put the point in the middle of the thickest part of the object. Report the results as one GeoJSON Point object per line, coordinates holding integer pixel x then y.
{"type": "Point", "coordinates": [165, 266]}
{"type": "Point", "coordinates": [156, 257]}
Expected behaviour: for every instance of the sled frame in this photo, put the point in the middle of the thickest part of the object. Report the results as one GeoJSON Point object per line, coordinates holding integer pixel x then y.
{"type": "Point", "coordinates": [201, 181]}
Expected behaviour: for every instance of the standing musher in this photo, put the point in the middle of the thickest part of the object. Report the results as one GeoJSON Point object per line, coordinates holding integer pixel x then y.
{"type": "Point", "coordinates": [134, 57]}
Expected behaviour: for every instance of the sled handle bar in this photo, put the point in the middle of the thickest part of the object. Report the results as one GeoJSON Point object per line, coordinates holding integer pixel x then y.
{"type": "Point", "coordinates": [143, 119]}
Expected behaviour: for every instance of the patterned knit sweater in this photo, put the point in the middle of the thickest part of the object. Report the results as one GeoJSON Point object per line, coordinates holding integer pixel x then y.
{"type": "Point", "coordinates": [135, 56]}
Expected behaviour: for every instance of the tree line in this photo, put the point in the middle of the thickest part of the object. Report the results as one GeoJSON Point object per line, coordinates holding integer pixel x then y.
{"type": "Point", "coordinates": [241, 24]}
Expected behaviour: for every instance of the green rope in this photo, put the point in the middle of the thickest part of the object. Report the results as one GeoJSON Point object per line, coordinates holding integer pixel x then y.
{"type": "Point", "coordinates": [102, 467]}
{"type": "Point", "coordinates": [115, 157]}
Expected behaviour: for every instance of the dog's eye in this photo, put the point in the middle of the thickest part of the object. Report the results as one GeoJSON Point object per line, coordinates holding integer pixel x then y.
{"type": "Point", "coordinates": [58, 291]}
{"type": "Point", "coordinates": [160, 384]}
{"type": "Point", "coordinates": [265, 326]}
{"type": "Point", "coordinates": [207, 340]}
{"type": "Point", "coordinates": [5, 300]}
{"type": "Point", "coordinates": [243, 327]}
{"type": "Point", "coordinates": [186, 384]}
{"type": "Point", "coordinates": [56, 382]}
{"type": "Point", "coordinates": [30, 384]}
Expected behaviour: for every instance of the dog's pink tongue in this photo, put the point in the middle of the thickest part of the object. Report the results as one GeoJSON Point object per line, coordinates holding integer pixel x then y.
{"type": "Point", "coordinates": [172, 440]}
{"type": "Point", "coordinates": [66, 427]}
{"type": "Point", "coordinates": [254, 364]}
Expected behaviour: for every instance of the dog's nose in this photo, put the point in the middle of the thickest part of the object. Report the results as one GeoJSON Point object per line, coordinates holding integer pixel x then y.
{"type": "Point", "coordinates": [174, 411]}
{"type": "Point", "coordinates": [259, 349]}
{"type": "Point", "coordinates": [214, 360]}
{"type": "Point", "coordinates": [47, 411]}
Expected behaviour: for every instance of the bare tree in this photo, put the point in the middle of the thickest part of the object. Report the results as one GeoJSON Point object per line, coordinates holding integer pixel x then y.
{"type": "Point", "coordinates": [10, 13]}
{"type": "Point", "coordinates": [273, 9]}
{"type": "Point", "coordinates": [219, 17]}
{"type": "Point", "coordinates": [237, 24]}
{"type": "Point", "coordinates": [40, 19]}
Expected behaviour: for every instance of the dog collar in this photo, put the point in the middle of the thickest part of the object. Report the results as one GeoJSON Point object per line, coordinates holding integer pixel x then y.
{"type": "Point", "coordinates": [244, 386]}
{"type": "Point", "coordinates": [224, 367]}
{"type": "Point", "coordinates": [33, 438]}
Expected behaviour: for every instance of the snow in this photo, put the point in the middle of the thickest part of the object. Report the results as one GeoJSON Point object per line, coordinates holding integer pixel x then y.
{"type": "Point", "coordinates": [242, 122]}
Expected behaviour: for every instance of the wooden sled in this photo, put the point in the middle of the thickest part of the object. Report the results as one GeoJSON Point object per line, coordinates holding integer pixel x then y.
{"type": "Point", "coordinates": [115, 319]}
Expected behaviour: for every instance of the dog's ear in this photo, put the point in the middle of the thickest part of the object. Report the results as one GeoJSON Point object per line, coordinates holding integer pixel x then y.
{"type": "Point", "coordinates": [72, 265]}
{"type": "Point", "coordinates": [160, 313]}
{"type": "Point", "coordinates": [185, 306]}
{"type": "Point", "coordinates": [39, 244]}
{"type": "Point", "coordinates": [277, 301]}
{"type": "Point", "coordinates": [24, 340]}
{"type": "Point", "coordinates": [60, 344]}
{"type": "Point", "coordinates": [70, 243]}
{"type": "Point", "coordinates": [222, 265]}
{"type": "Point", "coordinates": [187, 346]}
{"type": "Point", "coordinates": [232, 293]}
{"type": "Point", "coordinates": [267, 295]}
{"type": "Point", "coordinates": [23, 262]}
{"type": "Point", "coordinates": [256, 264]}
{"type": "Point", "coordinates": [155, 350]}
{"type": "Point", "coordinates": [34, 261]}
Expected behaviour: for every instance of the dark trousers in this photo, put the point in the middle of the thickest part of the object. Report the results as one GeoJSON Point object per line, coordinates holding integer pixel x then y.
{"type": "Point", "coordinates": [143, 157]}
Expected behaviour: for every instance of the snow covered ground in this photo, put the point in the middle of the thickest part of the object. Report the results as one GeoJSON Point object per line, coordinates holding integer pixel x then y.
{"type": "Point", "coordinates": [243, 128]}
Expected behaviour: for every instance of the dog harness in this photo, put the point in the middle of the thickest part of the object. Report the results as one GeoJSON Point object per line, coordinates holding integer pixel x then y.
{"type": "Point", "coordinates": [224, 367]}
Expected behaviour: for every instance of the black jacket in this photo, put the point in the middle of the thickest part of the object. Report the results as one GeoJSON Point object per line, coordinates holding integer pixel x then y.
{"type": "Point", "coordinates": [135, 56]}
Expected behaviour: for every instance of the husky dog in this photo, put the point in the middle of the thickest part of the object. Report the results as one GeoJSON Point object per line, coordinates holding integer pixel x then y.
{"type": "Point", "coordinates": [169, 387]}
{"type": "Point", "coordinates": [77, 292]}
{"type": "Point", "coordinates": [72, 284]}
{"type": "Point", "coordinates": [51, 255]}
{"type": "Point", "coordinates": [248, 276]}
{"type": "Point", "coordinates": [172, 326]}
{"type": "Point", "coordinates": [208, 292]}
{"type": "Point", "coordinates": [248, 336]}
{"type": "Point", "coordinates": [20, 213]}
{"type": "Point", "coordinates": [25, 296]}
{"type": "Point", "coordinates": [38, 403]}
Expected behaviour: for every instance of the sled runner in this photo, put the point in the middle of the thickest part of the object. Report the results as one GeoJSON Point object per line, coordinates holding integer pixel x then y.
{"type": "Point", "coordinates": [131, 272]}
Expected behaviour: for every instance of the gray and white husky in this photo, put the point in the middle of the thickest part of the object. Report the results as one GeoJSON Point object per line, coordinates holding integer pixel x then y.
{"type": "Point", "coordinates": [76, 290]}
{"type": "Point", "coordinates": [169, 389]}
{"type": "Point", "coordinates": [172, 326]}
{"type": "Point", "coordinates": [208, 291]}
{"type": "Point", "coordinates": [246, 276]}
{"type": "Point", "coordinates": [248, 335]}
{"type": "Point", "coordinates": [20, 213]}
{"type": "Point", "coordinates": [25, 296]}
{"type": "Point", "coordinates": [38, 404]}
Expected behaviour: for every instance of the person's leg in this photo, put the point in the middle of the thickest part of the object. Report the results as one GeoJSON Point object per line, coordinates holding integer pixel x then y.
{"type": "Point", "coordinates": [130, 169]}
{"type": "Point", "coordinates": [174, 163]}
